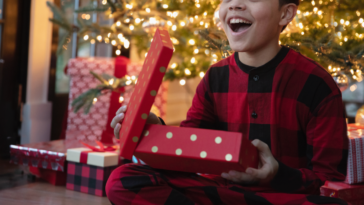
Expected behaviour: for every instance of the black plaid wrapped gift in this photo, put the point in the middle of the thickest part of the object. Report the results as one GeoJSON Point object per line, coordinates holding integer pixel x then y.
{"type": "Point", "coordinates": [88, 171]}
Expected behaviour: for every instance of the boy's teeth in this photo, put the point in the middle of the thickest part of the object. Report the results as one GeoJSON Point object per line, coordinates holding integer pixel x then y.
{"type": "Point", "coordinates": [239, 21]}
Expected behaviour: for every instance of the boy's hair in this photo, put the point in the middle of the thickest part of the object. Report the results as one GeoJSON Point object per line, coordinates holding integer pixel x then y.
{"type": "Point", "coordinates": [284, 2]}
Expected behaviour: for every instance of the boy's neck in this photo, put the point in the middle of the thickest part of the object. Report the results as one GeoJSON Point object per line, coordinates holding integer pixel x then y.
{"type": "Point", "coordinates": [261, 56]}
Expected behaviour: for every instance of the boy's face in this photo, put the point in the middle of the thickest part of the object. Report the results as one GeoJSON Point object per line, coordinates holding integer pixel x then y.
{"type": "Point", "coordinates": [250, 24]}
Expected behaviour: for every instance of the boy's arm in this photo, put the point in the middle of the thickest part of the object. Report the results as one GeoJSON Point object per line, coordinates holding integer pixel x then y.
{"type": "Point", "coordinates": [327, 150]}
{"type": "Point", "coordinates": [201, 114]}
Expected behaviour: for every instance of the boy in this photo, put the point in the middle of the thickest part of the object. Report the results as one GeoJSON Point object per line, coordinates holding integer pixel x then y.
{"type": "Point", "coordinates": [288, 105]}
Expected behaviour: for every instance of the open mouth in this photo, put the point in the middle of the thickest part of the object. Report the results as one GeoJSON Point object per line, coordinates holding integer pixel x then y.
{"type": "Point", "coordinates": [239, 25]}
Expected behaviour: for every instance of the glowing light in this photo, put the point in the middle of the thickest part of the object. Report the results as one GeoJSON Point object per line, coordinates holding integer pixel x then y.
{"type": "Point", "coordinates": [126, 44]}
{"type": "Point", "coordinates": [315, 9]}
{"type": "Point", "coordinates": [146, 54]}
{"type": "Point", "coordinates": [120, 36]}
{"type": "Point", "coordinates": [137, 20]}
{"type": "Point", "coordinates": [335, 24]}
{"type": "Point", "coordinates": [196, 17]}
{"type": "Point", "coordinates": [127, 20]}
{"type": "Point", "coordinates": [313, 3]}
{"type": "Point", "coordinates": [353, 87]}
{"type": "Point", "coordinates": [129, 6]}
{"type": "Point", "coordinates": [330, 67]}
{"type": "Point", "coordinates": [113, 42]}
{"type": "Point", "coordinates": [174, 65]}
{"type": "Point", "coordinates": [169, 23]}
{"type": "Point", "coordinates": [195, 51]}
{"type": "Point", "coordinates": [280, 42]}
{"type": "Point", "coordinates": [95, 100]}
{"type": "Point", "coordinates": [182, 23]}
{"type": "Point", "coordinates": [117, 52]}
{"type": "Point", "coordinates": [347, 23]}
{"type": "Point", "coordinates": [193, 60]}
{"type": "Point", "coordinates": [191, 19]}
{"type": "Point", "coordinates": [108, 35]}
{"type": "Point", "coordinates": [207, 51]}
{"type": "Point", "coordinates": [198, 5]}
{"type": "Point", "coordinates": [202, 74]}
{"type": "Point", "coordinates": [131, 27]}
{"type": "Point", "coordinates": [121, 99]}
{"type": "Point", "coordinates": [319, 12]}
{"type": "Point", "coordinates": [201, 23]}
{"type": "Point", "coordinates": [361, 20]}
{"type": "Point", "coordinates": [147, 10]}
{"type": "Point", "coordinates": [298, 12]}
{"type": "Point", "coordinates": [118, 23]}
{"type": "Point", "coordinates": [345, 39]}
{"type": "Point", "coordinates": [99, 37]}
{"type": "Point", "coordinates": [85, 37]}
{"type": "Point", "coordinates": [191, 42]}
{"type": "Point", "coordinates": [104, 2]}
{"type": "Point", "coordinates": [342, 21]}
{"type": "Point", "coordinates": [165, 6]}
{"type": "Point", "coordinates": [187, 71]}
{"type": "Point", "coordinates": [92, 41]}
{"type": "Point", "coordinates": [300, 25]}
{"type": "Point", "coordinates": [182, 82]}
{"type": "Point", "coordinates": [174, 27]}
{"type": "Point", "coordinates": [128, 82]}
{"type": "Point", "coordinates": [302, 33]}
{"type": "Point", "coordinates": [111, 81]}
{"type": "Point", "coordinates": [133, 77]}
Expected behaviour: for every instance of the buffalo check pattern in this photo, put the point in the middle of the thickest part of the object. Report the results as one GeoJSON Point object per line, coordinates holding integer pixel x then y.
{"type": "Point", "coordinates": [87, 178]}
{"type": "Point", "coordinates": [291, 103]}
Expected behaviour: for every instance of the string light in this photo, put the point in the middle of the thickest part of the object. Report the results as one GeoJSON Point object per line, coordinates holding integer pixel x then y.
{"type": "Point", "coordinates": [85, 37]}
{"type": "Point", "coordinates": [182, 23]}
{"type": "Point", "coordinates": [182, 82]}
{"type": "Point", "coordinates": [195, 51]}
{"type": "Point", "coordinates": [99, 37]}
{"type": "Point", "coordinates": [187, 71]}
{"type": "Point", "coordinates": [165, 6]}
{"type": "Point", "coordinates": [94, 101]}
{"type": "Point", "coordinates": [118, 23]}
{"type": "Point", "coordinates": [121, 99]}
{"type": "Point", "coordinates": [126, 44]}
{"type": "Point", "coordinates": [193, 60]}
{"type": "Point", "coordinates": [131, 27]}
{"type": "Point", "coordinates": [128, 82]}
{"type": "Point", "coordinates": [147, 10]}
{"type": "Point", "coordinates": [202, 74]}
{"type": "Point", "coordinates": [113, 42]}
{"type": "Point", "coordinates": [126, 21]}
{"type": "Point", "coordinates": [174, 65]}
{"type": "Point", "coordinates": [117, 52]}
{"type": "Point", "coordinates": [137, 20]}
{"type": "Point", "coordinates": [104, 2]}
{"type": "Point", "coordinates": [174, 27]}
{"type": "Point", "coordinates": [169, 23]}
{"type": "Point", "coordinates": [198, 5]}
{"type": "Point", "coordinates": [191, 42]}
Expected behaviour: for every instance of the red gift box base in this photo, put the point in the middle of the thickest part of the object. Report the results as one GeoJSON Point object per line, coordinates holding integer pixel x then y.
{"type": "Point", "coordinates": [56, 178]}
{"type": "Point", "coordinates": [195, 150]}
{"type": "Point", "coordinates": [350, 193]}
{"type": "Point", "coordinates": [87, 178]}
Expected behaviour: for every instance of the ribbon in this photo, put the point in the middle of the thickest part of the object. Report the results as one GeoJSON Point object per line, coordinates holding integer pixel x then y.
{"type": "Point", "coordinates": [102, 148]}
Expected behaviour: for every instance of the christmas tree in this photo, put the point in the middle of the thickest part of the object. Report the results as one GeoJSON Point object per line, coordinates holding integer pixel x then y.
{"type": "Point", "coordinates": [330, 32]}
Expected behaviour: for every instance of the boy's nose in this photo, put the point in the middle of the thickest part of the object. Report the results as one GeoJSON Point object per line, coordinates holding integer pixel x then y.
{"type": "Point", "coordinates": [236, 7]}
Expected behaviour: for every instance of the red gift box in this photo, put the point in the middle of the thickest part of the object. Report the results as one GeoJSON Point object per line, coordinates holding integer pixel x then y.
{"type": "Point", "coordinates": [46, 160]}
{"type": "Point", "coordinates": [195, 150]}
{"type": "Point", "coordinates": [87, 178]}
{"type": "Point", "coordinates": [149, 80]}
{"type": "Point", "coordinates": [351, 193]}
{"type": "Point", "coordinates": [355, 167]}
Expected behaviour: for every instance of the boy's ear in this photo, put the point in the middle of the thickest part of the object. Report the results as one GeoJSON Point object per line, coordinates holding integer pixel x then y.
{"type": "Point", "coordinates": [288, 13]}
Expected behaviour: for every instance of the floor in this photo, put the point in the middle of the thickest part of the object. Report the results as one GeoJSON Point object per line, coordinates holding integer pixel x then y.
{"type": "Point", "coordinates": [17, 187]}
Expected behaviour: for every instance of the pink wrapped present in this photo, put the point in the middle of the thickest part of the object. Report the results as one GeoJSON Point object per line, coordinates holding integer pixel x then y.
{"type": "Point", "coordinates": [355, 168]}
{"type": "Point", "coordinates": [96, 124]}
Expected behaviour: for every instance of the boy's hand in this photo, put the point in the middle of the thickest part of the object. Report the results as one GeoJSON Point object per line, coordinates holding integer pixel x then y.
{"type": "Point", "coordinates": [268, 168]}
{"type": "Point", "coordinates": [120, 114]}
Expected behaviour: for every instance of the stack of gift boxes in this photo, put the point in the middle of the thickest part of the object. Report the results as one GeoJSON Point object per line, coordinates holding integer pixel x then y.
{"type": "Point", "coordinates": [352, 189]}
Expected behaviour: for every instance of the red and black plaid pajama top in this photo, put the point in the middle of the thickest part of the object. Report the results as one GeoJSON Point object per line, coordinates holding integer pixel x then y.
{"type": "Point", "coordinates": [291, 103]}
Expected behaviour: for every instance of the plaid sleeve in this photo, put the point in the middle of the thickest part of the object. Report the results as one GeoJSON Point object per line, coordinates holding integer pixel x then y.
{"type": "Point", "coordinates": [201, 114]}
{"type": "Point", "coordinates": [326, 150]}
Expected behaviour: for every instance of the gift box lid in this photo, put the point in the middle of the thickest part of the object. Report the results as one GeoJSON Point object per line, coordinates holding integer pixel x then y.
{"type": "Point", "coordinates": [87, 156]}
{"type": "Point", "coordinates": [149, 80]}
